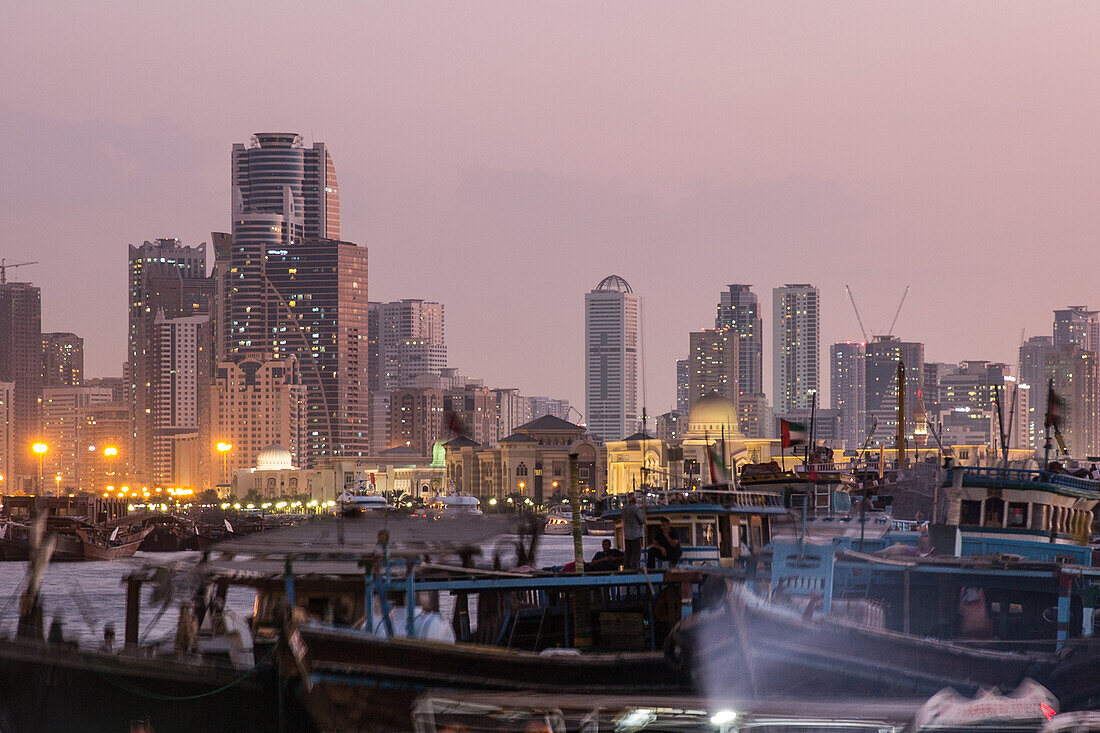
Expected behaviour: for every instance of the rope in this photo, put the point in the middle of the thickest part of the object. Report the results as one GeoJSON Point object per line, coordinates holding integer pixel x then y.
{"type": "Point", "coordinates": [183, 698]}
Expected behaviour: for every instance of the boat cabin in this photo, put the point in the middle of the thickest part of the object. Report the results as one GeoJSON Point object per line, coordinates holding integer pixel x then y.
{"type": "Point", "coordinates": [1004, 509]}
{"type": "Point", "coordinates": [714, 526]}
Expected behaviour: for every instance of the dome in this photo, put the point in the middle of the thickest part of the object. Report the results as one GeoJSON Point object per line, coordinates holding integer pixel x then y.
{"type": "Point", "coordinates": [274, 458]}
{"type": "Point", "coordinates": [711, 412]}
{"type": "Point", "coordinates": [613, 284]}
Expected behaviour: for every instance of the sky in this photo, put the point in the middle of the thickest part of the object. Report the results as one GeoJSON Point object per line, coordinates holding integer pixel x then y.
{"type": "Point", "coordinates": [503, 157]}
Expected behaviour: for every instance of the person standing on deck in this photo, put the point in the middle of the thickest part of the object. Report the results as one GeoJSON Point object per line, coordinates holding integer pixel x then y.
{"type": "Point", "coordinates": [633, 531]}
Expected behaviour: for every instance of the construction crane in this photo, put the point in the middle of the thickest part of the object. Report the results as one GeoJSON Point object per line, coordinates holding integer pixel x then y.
{"type": "Point", "coordinates": [858, 319]}
{"type": "Point", "coordinates": [890, 331]}
{"type": "Point", "coordinates": [4, 269]}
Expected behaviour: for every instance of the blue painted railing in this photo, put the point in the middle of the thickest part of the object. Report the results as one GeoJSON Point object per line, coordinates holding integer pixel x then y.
{"type": "Point", "coordinates": [1018, 474]}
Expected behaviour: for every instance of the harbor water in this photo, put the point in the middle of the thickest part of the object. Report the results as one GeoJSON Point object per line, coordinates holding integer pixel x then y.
{"type": "Point", "coordinates": [88, 595]}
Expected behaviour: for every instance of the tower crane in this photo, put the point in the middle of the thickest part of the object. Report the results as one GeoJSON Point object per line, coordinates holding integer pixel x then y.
{"type": "Point", "coordinates": [856, 309]}
{"type": "Point", "coordinates": [890, 331]}
{"type": "Point", "coordinates": [4, 269]}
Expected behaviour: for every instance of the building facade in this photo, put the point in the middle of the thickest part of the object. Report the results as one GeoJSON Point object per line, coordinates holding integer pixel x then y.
{"type": "Point", "coordinates": [7, 437]}
{"type": "Point", "coordinates": [683, 385]}
{"type": "Point", "coordinates": [1079, 326]}
{"type": "Point", "coordinates": [1073, 372]}
{"type": "Point", "coordinates": [714, 364]}
{"type": "Point", "coordinates": [739, 311]}
{"type": "Point", "coordinates": [848, 388]}
{"type": "Point", "coordinates": [62, 360]}
{"type": "Point", "coordinates": [611, 313]}
{"type": "Point", "coordinates": [62, 430]}
{"type": "Point", "coordinates": [795, 337]}
{"type": "Point", "coordinates": [255, 402]}
{"type": "Point", "coordinates": [883, 355]}
{"type": "Point", "coordinates": [21, 364]}
{"type": "Point", "coordinates": [181, 401]}
{"type": "Point", "coordinates": [1034, 355]}
{"type": "Point", "coordinates": [168, 279]}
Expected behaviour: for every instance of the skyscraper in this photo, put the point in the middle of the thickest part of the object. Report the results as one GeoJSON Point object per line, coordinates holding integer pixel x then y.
{"type": "Point", "coordinates": [883, 355]}
{"type": "Point", "coordinates": [611, 359]}
{"type": "Point", "coordinates": [714, 364]}
{"type": "Point", "coordinates": [291, 288]}
{"type": "Point", "coordinates": [795, 333]}
{"type": "Point", "coordinates": [1034, 354]}
{"type": "Point", "coordinates": [181, 398]}
{"type": "Point", "coordinates": [272, 163]}
{"type": "Point", "coordinates": [7, 440]}
{"type": "Point", "coordinates": [410, 342]}
{"type": "Point", "coordinates": [62, 422]}
{"type": "Point", "coordinates": [683, 385]}
{"type": "Point", "coordinates": [1079, 326]}
{"type": "Point", "coordinates": [21, 363]}
{"type": "Point", "coordinates": [1074, 371]}
{"type": "Point", "coordinates": [62, 360]}
{"type": "Point", "coordinates": [739, 311]}
{"type": "Point", "coordinates": [168, 279]}
{"type": "Point", "coordinates": [848, 387]}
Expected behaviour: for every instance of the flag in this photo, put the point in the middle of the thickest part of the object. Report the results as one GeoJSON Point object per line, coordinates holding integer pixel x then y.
{"type": "Point", "coordinates": [1055, 409]}
{"type": "Point", "coordinates": [794, 433]}
{"type": "Point", "coordinates": [718, 470]}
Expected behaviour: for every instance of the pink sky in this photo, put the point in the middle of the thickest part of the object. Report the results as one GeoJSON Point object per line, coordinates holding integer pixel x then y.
{"type": "Point", "coordinates": [503, 157]}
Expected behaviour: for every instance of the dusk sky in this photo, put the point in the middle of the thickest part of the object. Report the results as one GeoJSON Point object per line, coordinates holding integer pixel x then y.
{"type": "Point", "coordinates": [504, 157]}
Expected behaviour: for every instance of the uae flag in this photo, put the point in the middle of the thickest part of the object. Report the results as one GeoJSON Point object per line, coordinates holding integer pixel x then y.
{"type": "Point", "coordinates": [794, 433]}
{"type": "Point", "coordinates": [1055, 410]}
{"type": "Point", "coordinates": [718, 470]}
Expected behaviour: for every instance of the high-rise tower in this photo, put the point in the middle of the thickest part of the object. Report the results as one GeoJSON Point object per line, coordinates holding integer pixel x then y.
{"type": "Point", "coordinates": [739, 311]}
{"type": "Point", "coordinates": [611, 359]}
{"type": "Point", "coordinates": [848, 387]}
{"type": "Point", "coordinates": [290, 288]}
{"type": "Point", "coordinates": [169, 279]}
{"type": "Point", "coordinates": [796, 370]}
{"type": "Point", "coordinates": [21, 363]}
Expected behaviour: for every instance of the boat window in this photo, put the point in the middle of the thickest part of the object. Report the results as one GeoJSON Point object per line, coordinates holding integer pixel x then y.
{"type": "Point", "coordinates": [994, 512]}
{"type": "Point", "coordinates": [1017, 514]}
{"type": "Point", "coordinates": [706, 533]}
{"type": "Point", "coordinates": [970, 512]}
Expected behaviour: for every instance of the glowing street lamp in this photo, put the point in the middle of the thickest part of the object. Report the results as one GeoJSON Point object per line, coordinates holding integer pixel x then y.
{"type": "Point", "coordinates": [40, 449]}
{"type": "Point", "coordinates": [109, 454]}
{"type": "Point", "coordinates": [224, 449]}
{"type": "Point", "coordinates": [57, 478]}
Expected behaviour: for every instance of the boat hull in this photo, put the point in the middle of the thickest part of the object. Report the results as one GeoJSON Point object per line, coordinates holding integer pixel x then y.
{"type": "Point", "coordinates": [56, 688]}
{"type": "Point", "coordinates": [778, 651]}
{"type": "Point", "coordinates": [352, 675]}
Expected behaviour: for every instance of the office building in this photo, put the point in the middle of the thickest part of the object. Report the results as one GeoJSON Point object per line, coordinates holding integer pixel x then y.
{"type": "Point", "coordinates": [883, 355]}
{"type": "Point", "coordinates": [166, 279]}
{"type": "Point", "coordinates": [7, 437]}
{"type": "Point", "coordinates": [62, 360]}
{"type": "Point", "coordinates": [21, 364]}
{"type": "Point", "coordinates": [796, 358]}
{"type": "Point", "coordinates": [739, 311]}
{"type": "Point", "coordinates": [683, 385]}
{"type": "Point", "coordinates": [62, 421]}
{"type": "Point", "coordinates": [292, 288]}
{"type": "Point", "coordinates": [256, 402]}
{"type": "Point", "coordinates": [103, 449]}
{"type": "Point", "coordinates": [714, 364]}
{"type": "Point", "coordinates": [848, 388]}
{"type": "Point", "coordinates": [181, 401]}
{"type": "Point", "coordinates": [1073, 371]}
{"type": "Point", "coordinates": [1034, 354]}
{"type": "Point", "coordinates": [611, 313]}
{"type": "Point", "coordinates": [1079, 326]}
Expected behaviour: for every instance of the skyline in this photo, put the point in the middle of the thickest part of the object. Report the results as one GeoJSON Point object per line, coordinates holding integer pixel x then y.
{"type": "Point", "coordinates": [690, 149]}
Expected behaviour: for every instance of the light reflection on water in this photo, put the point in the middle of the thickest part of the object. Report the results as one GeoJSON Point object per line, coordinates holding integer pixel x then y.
{"type": "Point", "coordinates": [102, 585]}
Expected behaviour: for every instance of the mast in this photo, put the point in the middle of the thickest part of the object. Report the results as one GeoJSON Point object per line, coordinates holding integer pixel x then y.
{"type": "Point", "coordinates": [901, 410]}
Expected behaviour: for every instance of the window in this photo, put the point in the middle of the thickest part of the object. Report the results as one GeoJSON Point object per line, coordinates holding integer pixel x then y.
{"type": "Point", "coordinates": [970, 512]}
{"type": "Point", "coordinates": [521, 469]}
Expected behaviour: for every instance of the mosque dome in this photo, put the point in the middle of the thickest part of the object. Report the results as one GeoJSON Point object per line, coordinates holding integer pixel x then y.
{"type": "Point", "coordinates": [712, 413]}
{"type": "Point", "coordinates": [274, 458]}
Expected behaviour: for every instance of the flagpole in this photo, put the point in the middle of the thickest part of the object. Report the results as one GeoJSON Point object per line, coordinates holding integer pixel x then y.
{"type": "Point", "coordinates": [1047, 421]}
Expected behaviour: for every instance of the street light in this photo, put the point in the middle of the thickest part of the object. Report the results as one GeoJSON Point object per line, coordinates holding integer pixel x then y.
{"type": "Point", "coordinates": [224, 449]}
{"type": "Point", "coordinates": [108, 454]}
{"type": "Point", "coordinates": [40, 449]}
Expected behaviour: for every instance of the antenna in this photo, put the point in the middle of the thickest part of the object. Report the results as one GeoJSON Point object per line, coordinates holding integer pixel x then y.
{"type": "Point", "coordinates": [890, 331]}
{"type": "Point", "coordinates": [4, 269]}
{"type": "Point", "coordinates": [860, 320]}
